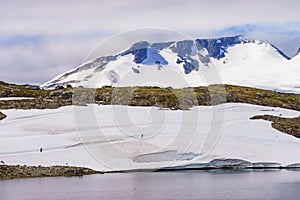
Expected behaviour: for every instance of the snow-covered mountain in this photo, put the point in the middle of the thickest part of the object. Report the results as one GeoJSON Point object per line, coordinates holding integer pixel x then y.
{"type": "Point", "coordinates": [228, 60]}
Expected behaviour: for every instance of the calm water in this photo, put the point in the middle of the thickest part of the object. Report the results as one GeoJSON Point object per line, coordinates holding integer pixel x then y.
{"type": "Point", "coordinates": [165, 185]}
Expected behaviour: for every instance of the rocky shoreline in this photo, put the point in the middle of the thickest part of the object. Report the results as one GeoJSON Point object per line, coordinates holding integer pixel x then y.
{"type": "Point", "coordinates": [23, 171]}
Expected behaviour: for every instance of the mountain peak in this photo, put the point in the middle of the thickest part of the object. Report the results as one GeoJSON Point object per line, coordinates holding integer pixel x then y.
{"type": "Point", "coordinates": [143, 58]}
{"type": "Point", "coordinates": [140, 45]}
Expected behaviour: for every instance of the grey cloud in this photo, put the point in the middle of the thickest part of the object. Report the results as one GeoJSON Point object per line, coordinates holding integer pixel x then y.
{"type": "Point", "coordinates": [69, 29]}
{"type": "Point", "coordinates": [44, 17]}
{"type": "Point", "coordinates": [37, 63]}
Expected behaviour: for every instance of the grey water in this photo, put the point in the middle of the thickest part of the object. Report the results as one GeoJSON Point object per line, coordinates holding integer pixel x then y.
{"type": "Point", "coordinates": [270, 184]}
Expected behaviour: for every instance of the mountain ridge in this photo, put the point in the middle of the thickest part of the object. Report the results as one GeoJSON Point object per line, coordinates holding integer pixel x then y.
{"type": "Point", "coordinates": [185, 58]}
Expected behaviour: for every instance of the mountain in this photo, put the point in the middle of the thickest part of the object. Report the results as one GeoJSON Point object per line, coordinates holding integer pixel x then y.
{"type": "Point", "coordinates": [229, 60]}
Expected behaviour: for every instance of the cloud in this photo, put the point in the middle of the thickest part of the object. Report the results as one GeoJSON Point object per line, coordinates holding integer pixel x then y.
{"type": "Point", "coordinates": [40, 39]}
{"type": "Point", "coordinates": [38, 61]}
{"type": "Point", "coordinates": [285, 36]}
{"type": "Point", "coordinates": [67, 17]}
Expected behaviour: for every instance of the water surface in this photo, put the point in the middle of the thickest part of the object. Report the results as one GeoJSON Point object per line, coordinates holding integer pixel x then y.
{"type": "Point", "coordinates": [278, 184]}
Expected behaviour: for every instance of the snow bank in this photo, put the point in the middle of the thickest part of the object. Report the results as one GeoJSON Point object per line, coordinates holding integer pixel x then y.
{"type": "Point", "coordinates": [13, 98]}
{"type": "Point", "coordinates": [145, 137]}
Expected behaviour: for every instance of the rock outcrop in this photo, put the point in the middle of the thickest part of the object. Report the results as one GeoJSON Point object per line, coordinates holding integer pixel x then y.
{"type": "Point", "coordinates": [2, 116]}
{"type": "Point", "coordinates": [18, 171]}
{"type": "Point", "coordinates": [290, 126]}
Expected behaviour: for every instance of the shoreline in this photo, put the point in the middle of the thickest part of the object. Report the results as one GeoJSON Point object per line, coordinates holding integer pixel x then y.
{"type": "Point", "coordinates": [24, 171]}
{"type": "Point", "coordinates": [8, 172]}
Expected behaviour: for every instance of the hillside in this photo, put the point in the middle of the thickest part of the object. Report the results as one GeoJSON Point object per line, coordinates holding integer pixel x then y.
{"type": "Point", "coordinates": [29, 97]}
{"type": "Point", "coordinates": [143, 96]}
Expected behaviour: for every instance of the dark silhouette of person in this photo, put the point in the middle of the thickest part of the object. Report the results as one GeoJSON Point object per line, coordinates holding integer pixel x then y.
{"type": "Point", "coordinates": [41, 149]}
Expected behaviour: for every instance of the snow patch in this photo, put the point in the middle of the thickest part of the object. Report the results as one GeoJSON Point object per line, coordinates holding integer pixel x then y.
{"type": "Point", "coordinates": [14, 98]}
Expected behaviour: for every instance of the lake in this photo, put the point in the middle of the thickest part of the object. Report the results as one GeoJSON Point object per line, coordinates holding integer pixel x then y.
{"type": "Point", "coordinates": [259, 184]}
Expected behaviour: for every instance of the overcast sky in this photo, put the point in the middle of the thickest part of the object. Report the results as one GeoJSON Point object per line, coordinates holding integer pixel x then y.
{"type": "Point", "coordinates": [40, 39]}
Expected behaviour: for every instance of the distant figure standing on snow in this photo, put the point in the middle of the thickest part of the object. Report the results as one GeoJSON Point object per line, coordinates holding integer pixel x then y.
{"type": "Point", "coordinates": [41, 149]}
{"type": "Point", "coordinates": [142, 135]}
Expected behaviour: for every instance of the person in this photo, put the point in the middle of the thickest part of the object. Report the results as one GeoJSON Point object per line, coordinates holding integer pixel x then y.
{"type": "Point", "coordinates": [41, 149]}
{"type": "Point", "coordinates": [142, 135]}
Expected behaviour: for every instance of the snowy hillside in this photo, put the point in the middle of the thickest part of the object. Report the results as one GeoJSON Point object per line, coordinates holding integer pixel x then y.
{"type": "Point", "coordinates": [229, 60]}
{"type": "Point", "coordinates": [120, 146]}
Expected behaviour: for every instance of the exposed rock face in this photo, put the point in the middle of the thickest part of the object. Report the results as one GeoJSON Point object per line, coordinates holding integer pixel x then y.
{"type": "Point", "coordinates": [144, 53]}
{"type": "Point", "coordinates": [149, 54]}
{"type": "Point", "coordinates": [2, 116]}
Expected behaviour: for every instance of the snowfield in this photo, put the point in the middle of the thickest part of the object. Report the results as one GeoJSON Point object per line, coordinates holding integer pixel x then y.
{"type": "Point", "coordinates": [122, 137]}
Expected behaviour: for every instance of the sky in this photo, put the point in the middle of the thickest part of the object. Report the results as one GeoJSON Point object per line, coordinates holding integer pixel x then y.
{"type": "Point", "coordinates": [40, 39]}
